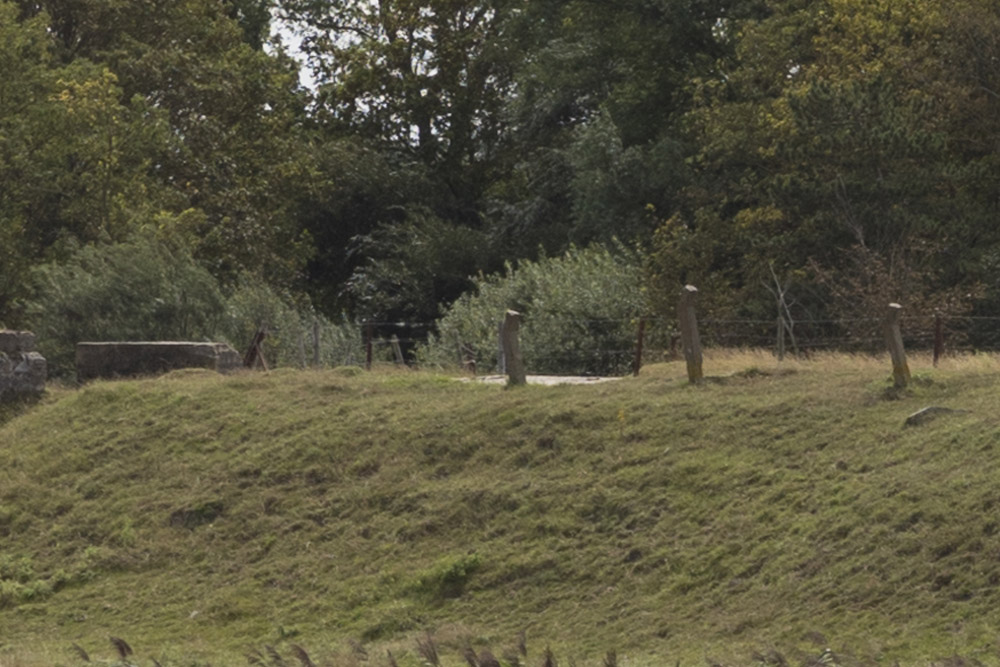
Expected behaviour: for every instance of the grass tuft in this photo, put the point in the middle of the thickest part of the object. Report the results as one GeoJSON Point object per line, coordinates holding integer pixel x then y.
{"type": "Point", "coordinates": [121, 647]}
{"type": "Point", "coordinates": [80, 653]}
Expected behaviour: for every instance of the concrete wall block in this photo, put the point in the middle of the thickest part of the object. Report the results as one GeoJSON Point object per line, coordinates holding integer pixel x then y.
{"type": "Point", "coordinates": [129, 359]}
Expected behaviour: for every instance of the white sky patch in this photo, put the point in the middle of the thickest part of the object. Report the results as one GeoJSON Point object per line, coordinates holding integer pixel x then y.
{"type": "Point", "coordinates": [284, 34]}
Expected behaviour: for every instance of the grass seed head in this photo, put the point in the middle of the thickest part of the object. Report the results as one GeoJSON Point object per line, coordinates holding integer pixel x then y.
{"type": "Point", "coordinates": [276, 659]}
{"type": "Point", "coordinates": [121, 646]}
{"type": "Point", "coordinates": [428, 651]}
{"type": "Point", "coordinates": [301, 655]}
{"type": "Point", "coordinates": [80, 652]}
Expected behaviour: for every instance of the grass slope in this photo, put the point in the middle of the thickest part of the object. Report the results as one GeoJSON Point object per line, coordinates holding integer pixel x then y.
{"type": "Point", "coordinates": [778, 509]}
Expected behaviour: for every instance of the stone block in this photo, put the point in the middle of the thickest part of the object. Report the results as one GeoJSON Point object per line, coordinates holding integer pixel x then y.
{"type": "Point", "coordinates": [16, 342]}
{"type": "Point", "coordinates": [130, 359]}
{"type": "Point", "coordinates": [22, 372]}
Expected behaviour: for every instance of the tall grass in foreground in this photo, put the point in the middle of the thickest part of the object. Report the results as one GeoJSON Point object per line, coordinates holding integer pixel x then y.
{"type": "Point", "coordinates": [426, 654]}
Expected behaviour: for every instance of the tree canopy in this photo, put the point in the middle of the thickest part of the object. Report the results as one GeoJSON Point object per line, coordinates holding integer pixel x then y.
{"type": "Point", "coordinates": [825, 143]}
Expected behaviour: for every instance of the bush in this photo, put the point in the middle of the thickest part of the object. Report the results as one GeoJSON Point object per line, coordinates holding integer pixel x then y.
{"type": "Point", "coordinates": [150, 289]}
{"type": "Point", "coordinates": [290, 329]}
{"type": "Point", "coordinates": [580, 311]}
{"type": "Point", "coordinates": [142, 289]}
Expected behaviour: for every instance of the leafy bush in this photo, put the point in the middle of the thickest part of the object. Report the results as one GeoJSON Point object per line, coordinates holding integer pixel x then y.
{"type": "Point", "coordinates": [290, 329]}
{"type": "Point", "coordinates": [153, 289]}
{"type": "Point", "coordinates": [579, 311]}
{"type": "Point", "coordinates": [142, 289]}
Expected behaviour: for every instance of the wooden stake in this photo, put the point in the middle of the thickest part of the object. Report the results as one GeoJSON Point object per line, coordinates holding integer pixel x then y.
{"type": "Point", "coordinates": [316, 343]}
{"type": "Point", "coordinates": [938, 337]}
{"type": "Point", "coordinates": [397, 350]}
{"type": "Point", "coordinates": [511, 344]}
{"type": "Point", "coordinates": [690, 341]}
{"type": "Point", "coordinates": [501, 362]}
{"type": "Point", "coordinates": [781, 338]}
{"type": "Point", "coordinates": [369, 334]}
{"type": "Point", "coordinates": [637, 364]}
{"type": "Point", "coordinates": [255, 353]}
{"type": "Point", "coordinates": [894, 341]}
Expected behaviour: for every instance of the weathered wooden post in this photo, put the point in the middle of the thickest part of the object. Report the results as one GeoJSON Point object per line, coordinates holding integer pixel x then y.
{"type": "Point", "coordinates": [689, 332]}
{"type": "Point", "coordinates": [938, 337]}
{"type": "Point", "coordinates": [781, 338]}
{"type": "Point", "coordinates": [894, 341]}
{"type": "Point", "coordinates": [369, 334]}
{"type": "Point", "coordinates": [640, 337]}
{"type": "Point", "coordinates": [501, 362]}
{"type": "Point", "coordinates": [397, 351]}
{"type": "Point", "coordinates": [316, 343]}
{"type": "Point", "coordinates": [509, 341]}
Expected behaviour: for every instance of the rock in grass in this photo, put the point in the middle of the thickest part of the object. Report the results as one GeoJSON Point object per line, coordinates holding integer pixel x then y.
{"type": "Point", "coordinates": [929, 413]}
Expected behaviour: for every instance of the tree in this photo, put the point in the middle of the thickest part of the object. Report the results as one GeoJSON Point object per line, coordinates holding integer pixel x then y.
{"type": "Point", "coordinates": [236, 148]}
{"type": "Point", "coordinates": [426, 80]}
{"type": "Point", "coordinates": [74, 159]}
{"type": "Point", "coordinates": [596, 116]}
{"type": "Point", "coordinates": [837, 124]}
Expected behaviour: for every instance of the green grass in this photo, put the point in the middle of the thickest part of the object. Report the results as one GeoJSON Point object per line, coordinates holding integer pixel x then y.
{"type": "Point", "coordinates": [772, 510]}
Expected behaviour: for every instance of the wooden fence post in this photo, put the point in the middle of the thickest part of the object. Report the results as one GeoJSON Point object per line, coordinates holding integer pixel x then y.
{"type": "Point", "coordinates": [511, 345]}
{"type": "Point", "coordinates": [938, 337]}
{"type": "Point", "coordinates": [255, 353]}
{"type": "Point", "coordinates": [894, 341]}
{"type": "Point", "coordinates": [781, 338]}
{"type": "Point", "coordinates": [501, 362]}
{"type": "Point", "coordinates": [397, 350]}
{"type": "Point", "coordinates": [369, 333]}
{"type": "Point", "coordinates": [638, 347]}
{"type": "Point", "coordinates": [316, 343]}
{"type": "Point", "coordinates": [689, 332]}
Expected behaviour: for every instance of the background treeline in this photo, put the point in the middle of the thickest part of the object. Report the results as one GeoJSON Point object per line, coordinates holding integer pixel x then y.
{"type": "Point", "coordinates": [844, 154]}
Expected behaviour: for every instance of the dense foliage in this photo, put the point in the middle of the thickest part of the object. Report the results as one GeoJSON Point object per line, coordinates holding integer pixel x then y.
{"type": "Point", "coordinates": [580, 311]}
{"type": "Point", "coordinates": [845, 150]}
{"type": "Point", "coordinates": [148, 288]}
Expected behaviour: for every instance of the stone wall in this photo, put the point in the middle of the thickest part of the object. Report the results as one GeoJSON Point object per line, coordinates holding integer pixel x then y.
{"type": "Point", "coordinates": [108, 360]}
{"type": "Point", "coordinates": [22, 370]}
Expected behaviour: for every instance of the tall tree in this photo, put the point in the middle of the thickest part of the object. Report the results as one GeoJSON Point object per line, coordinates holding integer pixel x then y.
{"type": "Point", "coordinates": [423, 79]}
{"type": "Point", "coordinates": [409, 99]}
{"type": "Point", "coordinates": [236, 149]}
{"type": "Point", "coordinates": [840, 124]}
{"type": "Point", "coordinates": [75, 158]}
{"type": "Point", "coordinates": [596, 117]}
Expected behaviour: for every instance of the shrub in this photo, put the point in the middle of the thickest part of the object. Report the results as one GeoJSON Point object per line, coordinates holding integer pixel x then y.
{"type": "Point", "coordinates": [580, 311]}
{"type": "Point", "coordinates": [142, 289]}
{"type": "Point", "coordinates": [153, 289]}
{"type": "Point", "coordinates": [290, 328]}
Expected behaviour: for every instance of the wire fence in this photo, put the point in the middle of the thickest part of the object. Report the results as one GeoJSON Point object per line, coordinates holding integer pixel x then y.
{"type": "Point", "coordinates": [614, 346]}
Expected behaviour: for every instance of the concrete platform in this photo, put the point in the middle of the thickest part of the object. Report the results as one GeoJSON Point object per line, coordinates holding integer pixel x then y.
{"type": "Point", "coordinates": [130, 359]}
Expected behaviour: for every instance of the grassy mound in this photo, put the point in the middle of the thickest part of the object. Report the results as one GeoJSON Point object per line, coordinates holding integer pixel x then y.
{"type": "Point", "coordinates": [773, 510]}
